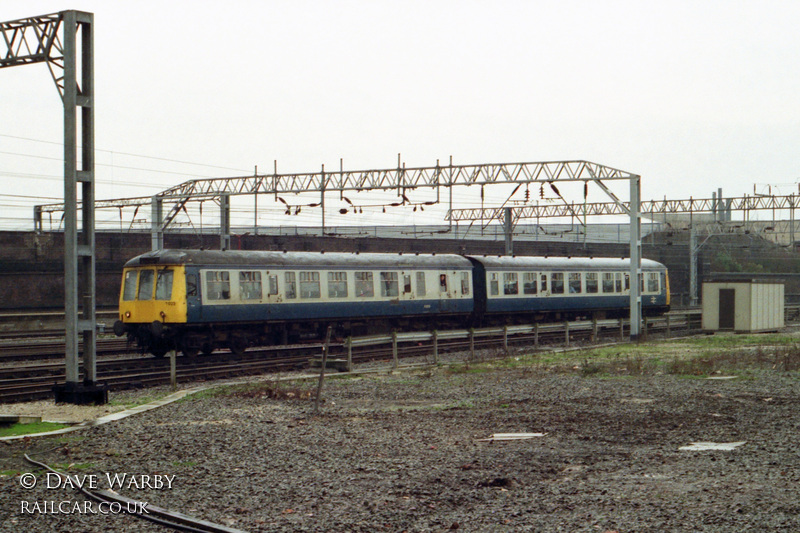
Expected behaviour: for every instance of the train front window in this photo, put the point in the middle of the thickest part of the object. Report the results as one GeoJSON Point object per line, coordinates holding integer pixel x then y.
{"type": "Point", "coordinates": [146, 278]}
{"type": "Point", "coordinates": [218, 285]}
{"type": "Point", "coordinates": [164, 285]}
{"type": "Point", "coordinates": [250, 285]}
{"type": "Point", "coordinates": [129, 286]}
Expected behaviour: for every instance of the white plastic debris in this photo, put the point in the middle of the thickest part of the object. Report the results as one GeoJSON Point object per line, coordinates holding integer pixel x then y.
{"type": "Point", "coordinates": [702, 446]}
{"type": "Point", "coordinates": [512, 436]}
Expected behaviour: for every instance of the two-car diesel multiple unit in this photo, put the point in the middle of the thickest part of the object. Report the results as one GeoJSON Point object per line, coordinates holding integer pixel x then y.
{"type": "Point", "coordinates": [200, 301]}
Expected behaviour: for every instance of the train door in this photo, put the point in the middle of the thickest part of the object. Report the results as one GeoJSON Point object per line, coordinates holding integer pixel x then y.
{"type": "Point", "coordinates": [444, 286]}
{"type": "Point", "coordinates": [544, 285]}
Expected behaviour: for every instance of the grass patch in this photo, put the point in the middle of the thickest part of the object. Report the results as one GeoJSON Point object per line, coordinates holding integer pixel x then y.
{"type": "Point", "coordinates": [27, 429]}
{"type": "Point", "coordinates": [276, 390]}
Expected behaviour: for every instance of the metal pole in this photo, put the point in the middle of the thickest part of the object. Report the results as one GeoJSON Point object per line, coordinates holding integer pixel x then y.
{"type": "Point", "coordinates": [508, 229]}
{"type": "Point", "coordinates": [156, 217]}
{"type": "Point", "coordinates": [225, 221]}
{"type": "Point", "coordinates": [692, 267]}
{"type": "Point", "coordinates": [636, 257]}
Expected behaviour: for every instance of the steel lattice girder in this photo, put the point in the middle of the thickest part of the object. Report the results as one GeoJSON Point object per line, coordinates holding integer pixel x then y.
{"type": "Point", "coordinates": [692, 205]}
{"type": "Point", "coordinates": [35, 40]}
{"type": "Point", "coordinates": [398, 178]}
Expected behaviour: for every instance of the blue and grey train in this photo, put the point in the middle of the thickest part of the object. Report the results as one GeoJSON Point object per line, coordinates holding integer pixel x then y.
{"type": "Point", "coordinates": [201, 301]}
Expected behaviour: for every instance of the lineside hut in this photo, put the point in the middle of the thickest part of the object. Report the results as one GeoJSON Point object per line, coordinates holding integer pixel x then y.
{"type": "Point", "coordinates": [743, 305]}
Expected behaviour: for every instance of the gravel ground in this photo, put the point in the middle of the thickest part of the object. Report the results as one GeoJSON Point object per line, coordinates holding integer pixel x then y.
{"type": "Point", "coordinates": [401, 452]}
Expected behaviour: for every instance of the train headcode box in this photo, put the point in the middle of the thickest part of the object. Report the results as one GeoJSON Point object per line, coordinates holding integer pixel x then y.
{"type": "Point", "coordinates": [743, 305]}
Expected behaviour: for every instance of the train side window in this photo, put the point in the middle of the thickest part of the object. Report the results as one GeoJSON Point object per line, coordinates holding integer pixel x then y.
{"type": "Point", "coordinates": [389, 285]}
{"type": "Point", "coordinates": [146, 285]}
{"type": "Point", "coordinates": [608, 282]}
{"type": "Point", "coordinates": [465, 283]}
{"type": "Point", "coordinates": [529, 282]}
{"type": "Point", "coordinates": [164, 285]}
{"type": "Point", "coordinates": [652, 282]}
{"type": "Point", "coordinates": [250, 285]}
{"type": "Point", "coordinates": [406, 283]}
{"type": "Point", "coordinates": [442, 282]}
{"type": "Point", "coordinates": [309, 285]}
{"type": "Point", "coordinates": [510, 283]}
{"type": "Point", "coordinates": [627, 281]}
{"type": "Point", "coordinates": [494, 284]}
{"type": "Point", "coordinates": [365, 287]}
{"type": "Point", "coordinates": [218, 285]}
{"type": "Point", "coordinates": [544, 283]}
{"type": "Point", "coordinates": [290, 285]}
{"type": "Point", "coordinates": [337, 284]}
{"type": "Point", "coordinates": [129, 286]}
{"type": "Point", "coordinates": [575, 283]}
{"type": "Point", "coordinates": [421, 290]}
{"type": "Point", "coordinates": [557, 283]}
{"type": "Point", "coordinates": [273, 285]}
{"type": "Point", "coordinates": [591, 283]}
{"type": "Point", "coordinates": [618, 282]}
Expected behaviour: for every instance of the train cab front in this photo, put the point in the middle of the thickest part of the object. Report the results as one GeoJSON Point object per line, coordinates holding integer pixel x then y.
{"type": "Point", "coordinates": [152, 305]}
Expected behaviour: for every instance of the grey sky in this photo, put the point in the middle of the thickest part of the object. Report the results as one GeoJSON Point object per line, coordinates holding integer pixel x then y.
{"type": "Point", "coordinates": [691, 95]}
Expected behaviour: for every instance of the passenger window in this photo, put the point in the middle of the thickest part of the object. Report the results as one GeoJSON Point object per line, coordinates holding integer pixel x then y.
{"type": "Point", "coordinates": [557, 283]}
{"type": "Point", "coordinates": [146, 285]}
{"type": "Point", "coordinates": [465, 283]}
{"type": "Point", "coordinates": [618, 281]}
{"type": "Point", "coordinates": [389, 284]}
{"type": "Point", "coordinates": [575, 283]}
{"type": "Point", "coordinates": [218, 285]}
{"type": "Point", "coordinates": [652, 282]}
{"type": "Point", "coordinates": [421, 290]}
{"type": "Point", "coordinates": [129, 286]}
{"type": "Point", "coordinates": [273, 285]}
{"type": "Point", "coordinates": [406, 283]}
{"type": "Point", "coordinates": [191, 285]}
{"type": "Point", "coordinates": [337, 284]}
{"type": "Point", "coordinates": [494, 284]}
{"type": "Point", "coordinates": [164, 285]}
{"type": "Point", "coordinates": [365, 286]}
{"type": "Point", "coordinates": [529, 282]}
{"type": "Point", "coordinates": [510, 283]}
{"type": "Point", "coordinates": [442, 282]}
{"type": "Point", "coordinates": [544, 283]}
{"type": "Point", "coordinates": [250, 285]}
{"type": "Point", "coordinates": [591, 283]}
{"type": "Point", "coordinates": [608, 282]}
{"type": "Point", "coordinates": [309, 285]}
{"type": "Point", "coordinates": [290, 285]}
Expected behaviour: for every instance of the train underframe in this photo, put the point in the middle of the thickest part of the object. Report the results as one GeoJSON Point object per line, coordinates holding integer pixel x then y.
{"type": "Point", "coordinates": [158, 338]}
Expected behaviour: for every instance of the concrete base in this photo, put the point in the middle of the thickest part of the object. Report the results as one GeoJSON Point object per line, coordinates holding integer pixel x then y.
{"type": "Point", "coordinates": [82, 393]}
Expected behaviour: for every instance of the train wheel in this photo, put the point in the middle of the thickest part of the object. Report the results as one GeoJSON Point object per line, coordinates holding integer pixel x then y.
{"type": "Point", "coordinates": [237, 345]}
{"type": "Point", "coordinates": [207, 348]}
{"type": "Point", "coordinates": [190, 347]}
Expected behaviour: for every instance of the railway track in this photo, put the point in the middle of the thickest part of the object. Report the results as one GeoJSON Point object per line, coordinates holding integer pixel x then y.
{"type": "Point", "coordinates": [36, 380]}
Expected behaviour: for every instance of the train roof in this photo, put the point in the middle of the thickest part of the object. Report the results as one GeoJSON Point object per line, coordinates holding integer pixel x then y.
{"type": "Point", "coordinates": [556, 263]}
{"type": "Point", "coordinates": [253, 258]}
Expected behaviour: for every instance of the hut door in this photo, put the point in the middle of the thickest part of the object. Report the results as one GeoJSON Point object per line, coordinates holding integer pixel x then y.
{"type": "Point", "coordinates": [727, 308]}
